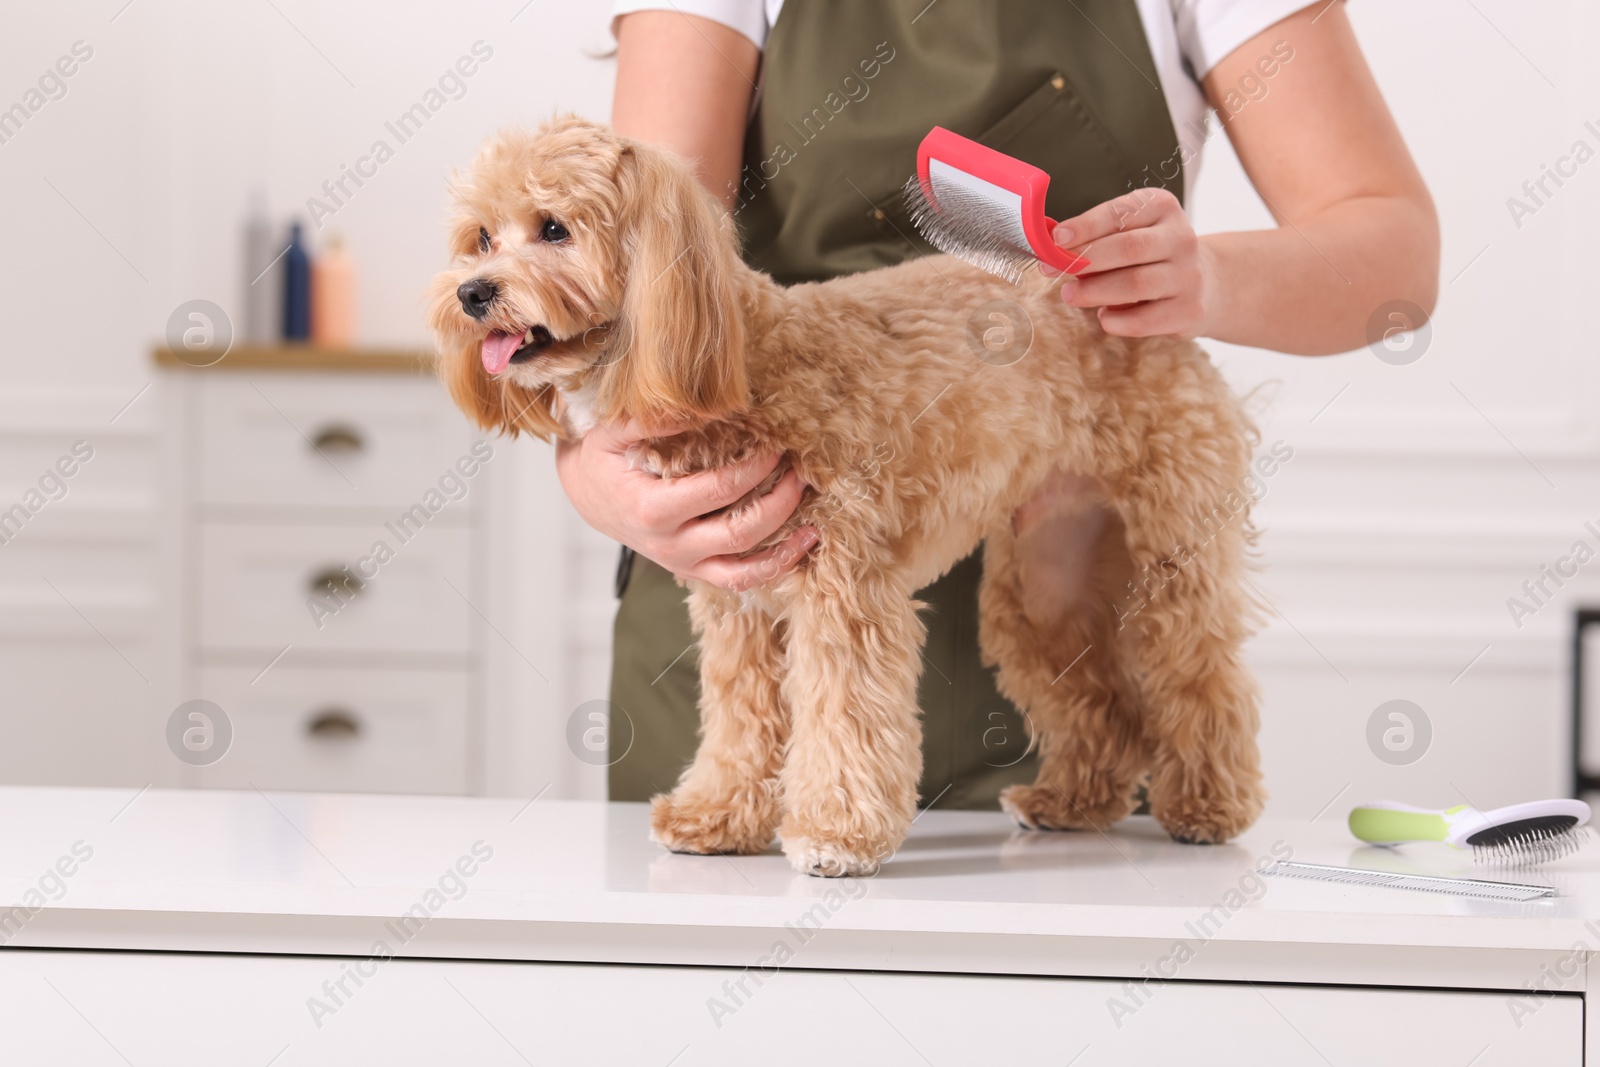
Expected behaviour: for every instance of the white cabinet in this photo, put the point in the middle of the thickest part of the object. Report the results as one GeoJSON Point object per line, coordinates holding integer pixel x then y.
{"type": "Point", "coordinates": [208, 1009]}
{"type": "Point", "coordinates": [331, 439]}
{"type": "Point", "coordinates": [394, 730]}
{"type": "Point", "coordinates": [325, 518]}
{"type": "Point", "coordinates": [263, 586]}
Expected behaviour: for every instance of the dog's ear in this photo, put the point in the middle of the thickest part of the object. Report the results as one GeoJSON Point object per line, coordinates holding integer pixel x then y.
{"type": "Point", "coordinates": [496, 404]}
{"type": "Point", "coordinates": [681, 338]}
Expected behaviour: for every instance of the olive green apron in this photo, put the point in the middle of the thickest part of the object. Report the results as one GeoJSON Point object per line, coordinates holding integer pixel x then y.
{"type": "Point", "coordinates": [849, 89]}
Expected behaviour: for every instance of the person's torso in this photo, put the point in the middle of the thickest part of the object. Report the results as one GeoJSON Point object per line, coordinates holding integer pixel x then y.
{"type": "Point", "coordinates": [849, 89]}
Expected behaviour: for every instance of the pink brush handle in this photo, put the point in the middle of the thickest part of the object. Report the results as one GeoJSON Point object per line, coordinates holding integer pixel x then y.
{"type": "Point", "coordinates": [1013, 175]}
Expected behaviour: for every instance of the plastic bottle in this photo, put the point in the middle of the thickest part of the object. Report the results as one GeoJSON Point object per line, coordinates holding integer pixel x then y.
{"type": "Point", "coordinates": [296, 289]}
{"type": "Point", "coordinates": [333, 297]}
{"type": "Point", "coordinates": [263, 277]}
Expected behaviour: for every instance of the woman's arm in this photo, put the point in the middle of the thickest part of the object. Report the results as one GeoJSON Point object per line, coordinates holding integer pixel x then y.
{"type": "Point", "coordinates": [1356, 226]}
{"type": "Point", "coordinates": [684, 82]}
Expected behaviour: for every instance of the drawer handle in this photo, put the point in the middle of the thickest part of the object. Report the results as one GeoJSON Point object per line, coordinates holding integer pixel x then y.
{"type": "Point", "coordinates": [338, 438]}
{"type": "Point", "coordinates": [334, 724]}
{"type": "Point", "coordinates": [336, 580]}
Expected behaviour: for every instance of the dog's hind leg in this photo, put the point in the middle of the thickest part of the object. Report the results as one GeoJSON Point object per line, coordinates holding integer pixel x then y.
{"type": "Point", "coordinates": [727, 799]}
{"type": "Point", "coordinates": [1200, 701]}
{"type": "Point", "coordinates": [850, 778]}
{"type": "Point", "coordinates": [1046, 623]}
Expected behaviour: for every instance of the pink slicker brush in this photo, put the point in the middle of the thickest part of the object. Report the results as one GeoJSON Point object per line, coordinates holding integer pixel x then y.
{"type": "Point", "coordinates": [984, 207]}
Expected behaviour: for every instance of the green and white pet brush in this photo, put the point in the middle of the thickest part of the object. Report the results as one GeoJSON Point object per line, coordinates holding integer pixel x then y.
{"type": "Point", "coordinates": [1538, 832]}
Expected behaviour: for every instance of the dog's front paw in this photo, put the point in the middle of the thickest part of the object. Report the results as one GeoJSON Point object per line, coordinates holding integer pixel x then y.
{"type": "Point", "coordinates": [831, 859]}
{"type": "Point", "coordinates": [1043, 807]}
{"type": "Point", "coordinates": [704, 827]}
{"type": "Point", "coordinates": [1202, 819]}
{"type": "Point", "coordinates": [838, 838]}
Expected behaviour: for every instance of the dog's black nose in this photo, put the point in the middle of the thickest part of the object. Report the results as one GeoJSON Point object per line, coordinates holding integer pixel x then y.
{"type": "Point", "coordinates": [476, 296]}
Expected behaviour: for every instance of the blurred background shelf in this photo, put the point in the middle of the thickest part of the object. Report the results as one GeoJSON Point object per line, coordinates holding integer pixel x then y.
{"type": "Point", "coordinates": [300, 358]}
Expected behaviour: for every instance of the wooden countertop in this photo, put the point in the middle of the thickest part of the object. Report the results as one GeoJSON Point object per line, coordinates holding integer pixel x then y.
{"type": "Point", "coordinates": [301, 358]}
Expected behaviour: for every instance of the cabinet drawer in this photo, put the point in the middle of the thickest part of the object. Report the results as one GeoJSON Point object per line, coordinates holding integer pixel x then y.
{"type": "Point", "coordinates": [329, 440]}
{"type": "Point", "coordinates": [263, 587]}
{"type": "Point", "coordinates": [190, 1009]}
{"type": "Point", "coordinates": [338, 730]}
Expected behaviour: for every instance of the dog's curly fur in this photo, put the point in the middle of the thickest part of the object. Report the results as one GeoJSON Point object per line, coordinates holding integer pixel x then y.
{"type": "Point", "coordinates": [914, 450]}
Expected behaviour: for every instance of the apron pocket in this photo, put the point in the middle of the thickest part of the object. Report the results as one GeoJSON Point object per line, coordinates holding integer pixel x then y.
{"type": "Point", "coordinates": [1053, 130]}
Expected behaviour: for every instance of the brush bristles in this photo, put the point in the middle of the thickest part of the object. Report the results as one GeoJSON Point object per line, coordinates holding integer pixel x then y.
{"type": "Point", "coordinates": [968, 227]}
{"type": "Point", "coordinates": [1531, 847]}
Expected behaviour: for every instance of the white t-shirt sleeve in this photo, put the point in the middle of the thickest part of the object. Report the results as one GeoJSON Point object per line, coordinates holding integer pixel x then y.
{"type": "Point", "coordinates": [1208, 30]}
{"type": "Point", "coordinates": [748, 17]}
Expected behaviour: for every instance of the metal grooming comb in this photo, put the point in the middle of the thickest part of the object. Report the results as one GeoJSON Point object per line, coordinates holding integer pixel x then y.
{"type": "Point", "coordinates": [1461, 887]}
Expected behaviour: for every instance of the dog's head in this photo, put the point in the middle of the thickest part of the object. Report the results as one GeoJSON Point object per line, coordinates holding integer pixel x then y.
{"type": "Point", "coordinates": [584, 260]}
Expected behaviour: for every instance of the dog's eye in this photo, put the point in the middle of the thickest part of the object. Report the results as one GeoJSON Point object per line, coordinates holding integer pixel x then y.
{"type": "Point", "coordinates": [483, 239]}
{"type": "Point", "coordinates": [552, 231]}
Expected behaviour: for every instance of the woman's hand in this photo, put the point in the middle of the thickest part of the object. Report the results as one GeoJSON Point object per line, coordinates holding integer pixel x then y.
{"type": "Point", "coordinates": [662, 520]}
{"type": "Point", "coordinates": [1149, 271]}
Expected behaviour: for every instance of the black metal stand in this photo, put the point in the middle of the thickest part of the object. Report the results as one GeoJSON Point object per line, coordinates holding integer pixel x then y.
{"type": "Point", "coordinates": [1582, 781]}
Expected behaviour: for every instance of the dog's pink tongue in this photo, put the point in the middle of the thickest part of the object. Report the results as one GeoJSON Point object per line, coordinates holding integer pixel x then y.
{"type": "Point", "coordinates": [497, 350]}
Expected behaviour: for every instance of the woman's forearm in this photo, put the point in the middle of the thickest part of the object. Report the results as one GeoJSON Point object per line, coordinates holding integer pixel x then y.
{"type": "Point", "coordinates": [1356, 225]}
{"type": "Point", "coordinates": [1312, 286]}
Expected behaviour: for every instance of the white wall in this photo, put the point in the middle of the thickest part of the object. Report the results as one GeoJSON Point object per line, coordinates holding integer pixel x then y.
{"type": "Point", "coordinates": [1418, 500]}
{"type": "Point", "coordinates": [1426, 494]}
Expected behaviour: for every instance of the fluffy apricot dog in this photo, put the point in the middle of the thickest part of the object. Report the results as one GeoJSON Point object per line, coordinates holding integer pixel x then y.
{"type": "Point", "coordinates": [591, 278]}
